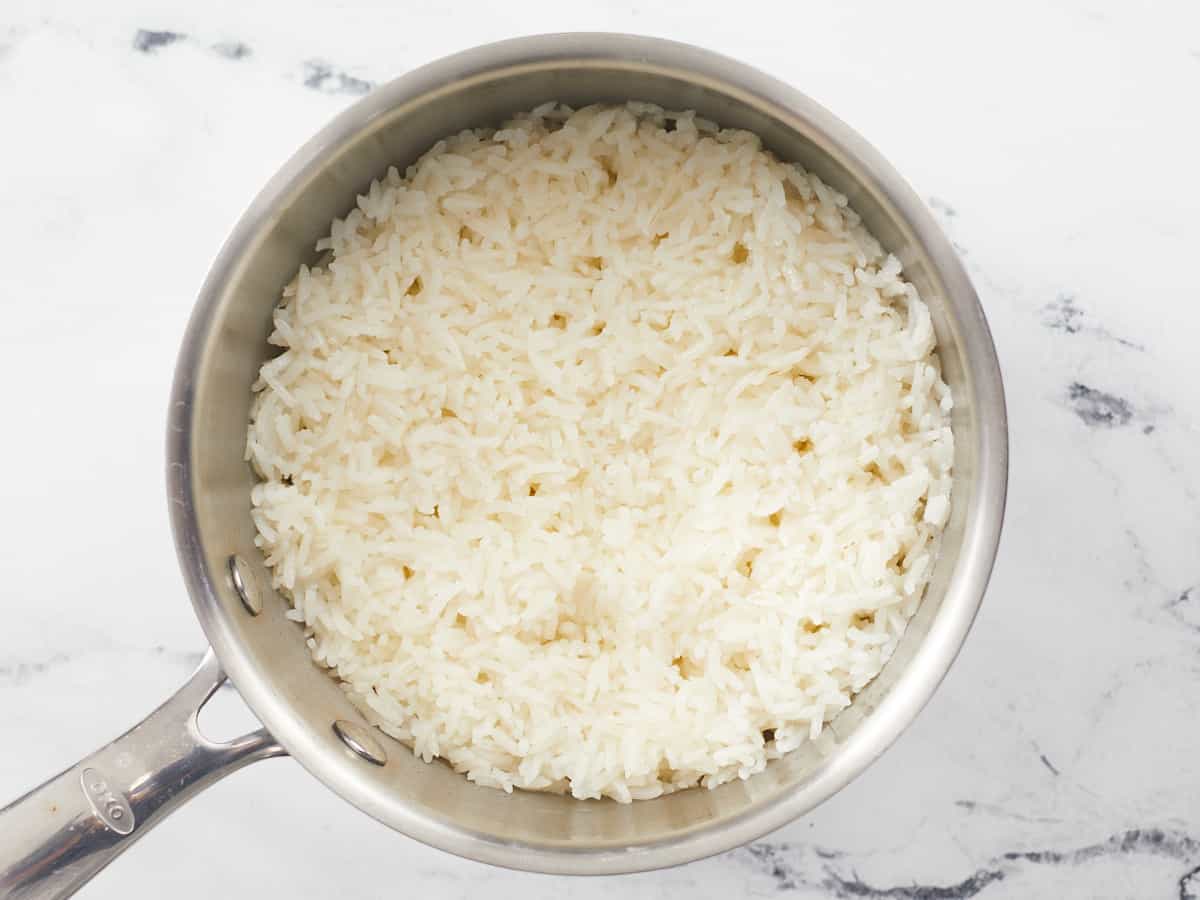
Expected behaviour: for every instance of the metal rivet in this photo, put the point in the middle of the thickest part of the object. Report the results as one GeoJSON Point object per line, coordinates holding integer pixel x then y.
{"type": "Point", "coordinates": [245, 584]}
{"type": "Point", "coordinates": [360, 740]}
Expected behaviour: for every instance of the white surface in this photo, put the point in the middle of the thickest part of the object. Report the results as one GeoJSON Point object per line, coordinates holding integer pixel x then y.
{"type": "Point", "coordinates": [1058, 144]}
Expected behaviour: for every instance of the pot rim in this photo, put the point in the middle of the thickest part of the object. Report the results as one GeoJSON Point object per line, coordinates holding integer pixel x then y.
{"type": "Point", "coordinates": [982, 527]}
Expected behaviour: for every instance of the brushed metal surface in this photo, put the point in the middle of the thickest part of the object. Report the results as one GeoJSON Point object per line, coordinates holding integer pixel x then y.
{"type": "Point", "coordinates": [361, 741]}
{"type": "Point", "coordinates": [209, 481]}
{"type": "Point", "coordinates": [245, 585]}
{"type": "Point", "coordinates": [226, 343]}
{"type": "Point", "coordinates": [57, 837]}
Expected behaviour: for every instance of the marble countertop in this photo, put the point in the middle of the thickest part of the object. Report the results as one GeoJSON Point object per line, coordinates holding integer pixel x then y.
{"type": "Point", "coordinates": [1057, 142]}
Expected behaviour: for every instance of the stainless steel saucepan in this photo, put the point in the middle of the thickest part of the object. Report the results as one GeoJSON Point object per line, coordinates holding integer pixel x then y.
{"type": "Point", "coordinates": [58, 836]}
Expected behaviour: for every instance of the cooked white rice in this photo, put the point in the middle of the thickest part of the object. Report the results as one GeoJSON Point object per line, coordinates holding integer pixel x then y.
{"type": "Point", "coordinates": [607, 453]}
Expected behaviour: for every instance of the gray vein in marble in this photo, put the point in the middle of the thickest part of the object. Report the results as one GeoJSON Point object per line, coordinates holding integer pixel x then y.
{"type": "Point", "coordinates": [1179, 604]}
{"type": "Point", "coordinates": [315, 74]}
{"type": "Point", "coordinates": [15, 673]}
{"type": "Point", "coordinates": [1064, 315]}
{"type": "Point", "coordinates": [19, 673]}
{"type": "Point", "coordinates": [947, 213]}
{"type": "Point", "coordinates": [1049, 765]}
{"type": "Point", "coordinates": [1148, 577]}
{"type": "Point", "coordinates": [999, 812]}
{"type": "Point", "coordinates": [1183, 474]}
{"type": "Point", "coordinates": [793, 866]}
{"type": "Point", "coordinates": [940, 205]}
{"type": "Point", "coordinates": [1098, 409]}
{"type": "Point", "coordinates": [232, 49]}
{"type": "Point", "coordinates": [323, 77]}
{"type": "Point", "coordinates": [1185, 607]}
{"type": "Point", "coordinates": [1044, 759]}
{"type": "Point", "coordinates": [146, 41]}
{"type": "Point", "coordinates": [1189, 885]}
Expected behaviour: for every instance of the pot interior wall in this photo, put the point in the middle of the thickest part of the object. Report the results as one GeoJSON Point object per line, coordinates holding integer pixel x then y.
{"type": "Point", "coordinates": [266, 655]}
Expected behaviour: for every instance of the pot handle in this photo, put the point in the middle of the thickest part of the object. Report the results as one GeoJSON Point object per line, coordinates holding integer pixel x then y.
{"type": "Point", "coordinates": [59, 835]}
